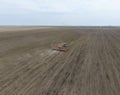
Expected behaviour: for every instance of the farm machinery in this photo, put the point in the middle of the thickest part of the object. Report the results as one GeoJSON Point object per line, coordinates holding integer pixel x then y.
{"type": "Point", "coordinates": [61, 47]}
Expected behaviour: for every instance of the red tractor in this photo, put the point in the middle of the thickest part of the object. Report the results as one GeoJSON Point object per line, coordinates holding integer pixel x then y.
{"type": "Point", "coordinates": [61, 47]}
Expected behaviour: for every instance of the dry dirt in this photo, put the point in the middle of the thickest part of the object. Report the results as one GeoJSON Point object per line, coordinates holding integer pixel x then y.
{"type": "Point", "coordinates": [28, 66]}
{"type": "Point", "coordinates": [18, 28]}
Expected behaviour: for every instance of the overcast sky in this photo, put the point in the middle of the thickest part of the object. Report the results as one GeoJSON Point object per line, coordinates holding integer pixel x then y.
{"type": "Point", "coordinates": [60, 12]}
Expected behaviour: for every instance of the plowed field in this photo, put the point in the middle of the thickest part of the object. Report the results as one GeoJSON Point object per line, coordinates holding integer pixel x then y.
{"type": "Point", "coordinates": [28, 65]}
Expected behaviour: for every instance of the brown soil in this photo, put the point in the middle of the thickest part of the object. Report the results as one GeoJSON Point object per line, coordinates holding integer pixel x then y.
{"type": "Point", "coordinates": [28, 66]}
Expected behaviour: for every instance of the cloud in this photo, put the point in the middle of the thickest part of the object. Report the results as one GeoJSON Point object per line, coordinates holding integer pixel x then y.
{"type": "Point", "coordinates": [68, 6]}
{"type": "Point", "coordinates": [60, 11]}
{"type": "Point", "coordinates": [36, 5]}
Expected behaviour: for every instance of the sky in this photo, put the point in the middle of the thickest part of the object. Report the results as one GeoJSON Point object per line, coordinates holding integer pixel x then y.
{"type": "Point", "coordinates": [60, 12]}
